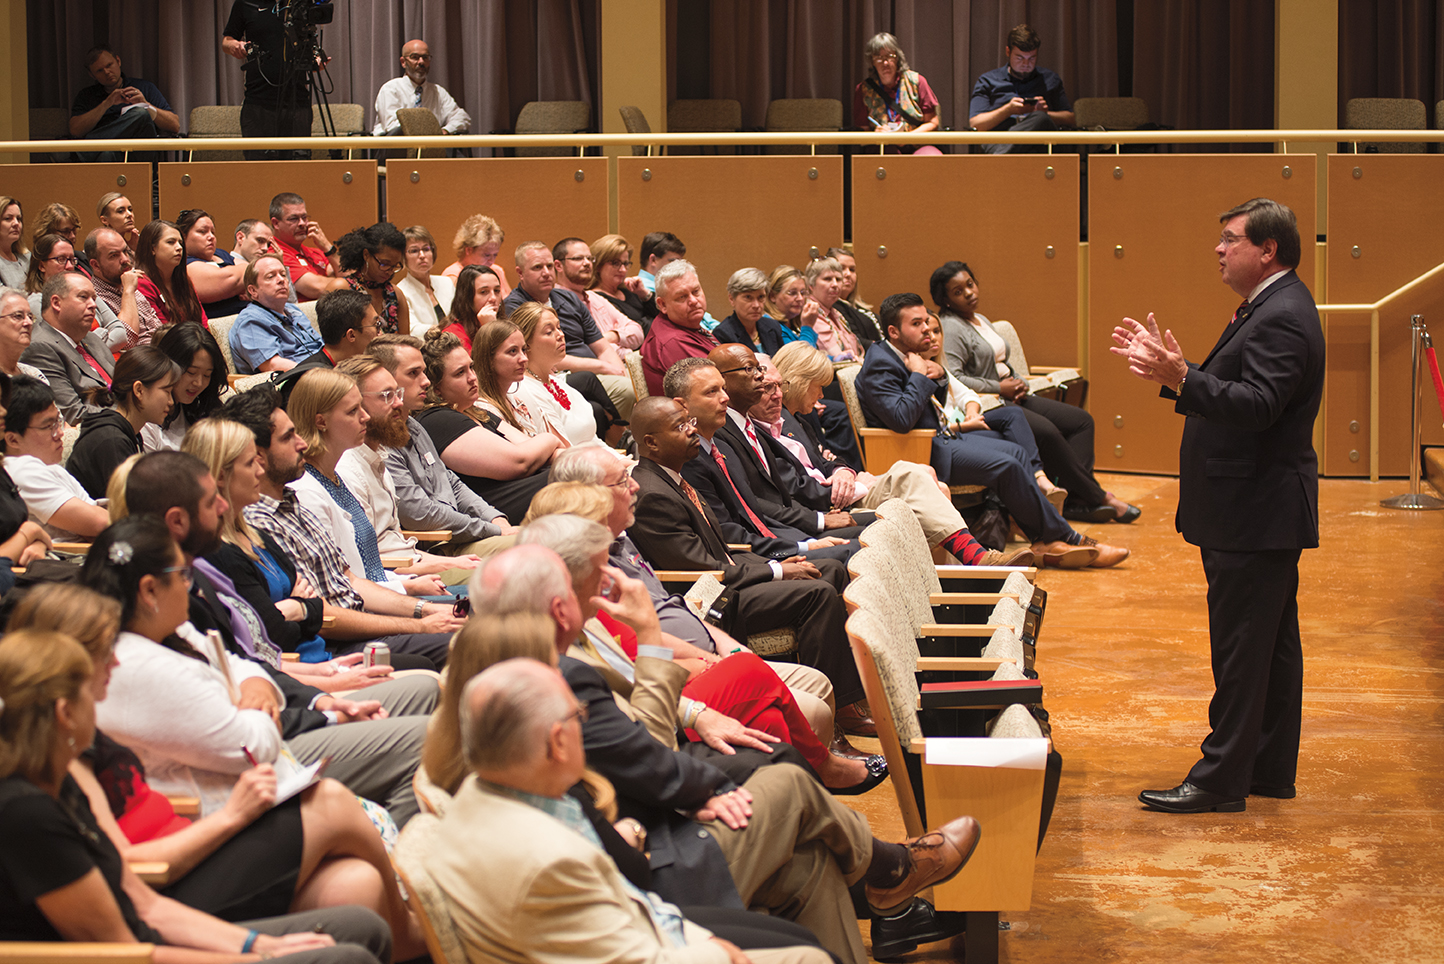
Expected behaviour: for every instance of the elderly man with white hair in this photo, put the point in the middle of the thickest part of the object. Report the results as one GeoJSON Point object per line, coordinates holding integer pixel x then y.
{"type": "Point", "coordinates": [677, 330]}
{"type": "Point", "coordinates": [524, 865]}
{"type": "Point", "coordinates": [790, 846]}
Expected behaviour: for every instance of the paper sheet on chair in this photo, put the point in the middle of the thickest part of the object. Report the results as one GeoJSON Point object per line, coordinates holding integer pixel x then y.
{"type": "Point", "coordinates": [1017, 754]}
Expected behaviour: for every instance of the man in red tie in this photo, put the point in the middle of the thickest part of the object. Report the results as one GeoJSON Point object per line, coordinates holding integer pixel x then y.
{"type": "Point", "coordinates": [72, 358]}
{"type": "Point", "coordinates": [676, 529]}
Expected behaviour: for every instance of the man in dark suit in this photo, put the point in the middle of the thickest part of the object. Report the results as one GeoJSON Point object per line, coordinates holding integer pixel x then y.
{"type": "Point", "coordinates": [72, 358]}
{"type": "Point", "coordinates": [896, 393]}
{"type": "Point", "coordinates": [675, 529]}
{"type": "Point", "coordinates": [1248, 498]}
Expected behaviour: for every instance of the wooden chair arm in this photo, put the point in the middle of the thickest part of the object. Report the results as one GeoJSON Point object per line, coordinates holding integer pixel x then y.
{"type": "Point", "coordinates": [395, 562]}
{"type": "Point", "coordinates": [918, 745]}
{"type": "Point", "coordinates": [153, 872]}
{"type": "Point", "coordinates": [738, 547]}
{"type": "Point", "coordinates": [79, 548]}
{"type": "Point", "coordinates": [686, 575]}
{"type": "Point", "coordinates": [428, 535]}
{"type": "Point", "coordinates": [984, 572]}
{"type": "Point", "coordinates": [185, 806]}
{"type": "Point", "coordinates": [882, 447]}
{"type": "Point", "coordinates": [328, 622]}
{"type": "Point", "coordinates": [74, 952]}
{"type": "Point", "coordinates": [1048, 369]}
{"type": "Point", "coordinates": [970, 664]}
{"type": "Point", "coordinates": [980, 630]}
{"type": "Point", "coordinates": [290, 657]}
{"type": "Point", "coordinates": [968, 598]}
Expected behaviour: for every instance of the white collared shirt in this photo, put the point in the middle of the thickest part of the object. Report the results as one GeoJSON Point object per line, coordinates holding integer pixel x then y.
{"type": "Point", "coordinates": [400, 92]}
{"type": "Point", "coordinates": [1258, 288]}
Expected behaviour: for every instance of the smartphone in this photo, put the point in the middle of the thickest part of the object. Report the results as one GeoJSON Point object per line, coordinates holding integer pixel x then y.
{"type": "Point", "coordinates": [1030, 101]}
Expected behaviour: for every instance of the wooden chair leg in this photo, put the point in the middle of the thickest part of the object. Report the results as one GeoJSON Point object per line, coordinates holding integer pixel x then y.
{"type": "Point", "coordinates": [981, 940]}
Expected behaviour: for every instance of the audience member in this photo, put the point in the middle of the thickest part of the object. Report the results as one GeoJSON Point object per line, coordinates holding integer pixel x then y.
{"type": "Point", "coordinates": [363, 609]}
{"type": "Point", "coordinates": [346, 321]}
{"type": "Point", "coordinates": [164, 294]}
{"type": "Point", "coordinates": [218, 280]}
{"type": "Point", "coordinates": [51, 255]}
{"type": "Point", "coordinates": [17, 328]}
{"type": "Point", "coordinates": [476, 301]}
{"type": "Point", "coordinates": [749, 324]}
{"type": "Point", "coordinates": [46, 683]}
{"type": "Point", "coordinates": [676, 332]}
{"type": "Point", "coordinates": [116, 281]}
{"type": "Point", "coordinates": [588, 350]}
{"type": "Point", "coordinates": [14, 255]}
{"type": "Point", "coordinates": [1019, 96]}
{"type": "Point", "coordinates": [977, 356]}
{"type": "Point", "coordinates": [897, 392]}
{"type": "Point", "coordinates": [620, 303]}
{"type": "Point", "coordinates": [429, 496]}
{"type": "Point", "coordinates": [478, 241]}
{"type": "Point", "coordinates": [797, 823]}
{"type": "Point", "coordinates": [894, 98]}
{"type": "Point", "coordinates": [487, 450]}
{"type": "Point", "coordinates": [789, 303]}
{"type": "Point", "coordinates": [414, 90]}
{"type": "Point", "coordinates": [659, 249]}
{"type": "Point", "coordinates": [57, 217]}
{"type": "Point", "coordinates": [824, 282]}
{"type": "Point", "coordinates": [140, 396]}
{"type": "Point", "coordinates": [541, 401]}
{"type": "Point", "coordinates": [427, 296]}
{"type": "Point", "coordinates": [859, 314]}
{"type": "Point", "coordinates": [363, 471]}
{"type": "Point", "coordinates": [271, 334]}
{"type": "Point", "coordinates": [309, 256]}
{"type": "Point", "coordinates": [576, 272]}
{"type": "Point", "coordinates": [117, 213]}
{"type": "Point", "coordinates": [73, 359]}
{"type": "Point", "coordinates": [197, 393]}
{"type": "Point", "coordinates": [370, 257]}
{"type": "Point", "coordinates": [253, 239]}
{"type": "Point", "coordinates": [791, 388]}
{"type": "Point", "coordinates": [117, 107]}
{"type": "Point", "coordinates": [33, 448]}
{"type": "Point", "coordinates": [278, 95]}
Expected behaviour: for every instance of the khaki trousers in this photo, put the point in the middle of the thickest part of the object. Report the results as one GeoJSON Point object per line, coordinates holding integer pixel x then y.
{"type": "Point", "coordinates": [918, 487]}
{"type": "Point", "coordinates": [813, 692]}
{"type": "Point", "coordinates": [798, 854]}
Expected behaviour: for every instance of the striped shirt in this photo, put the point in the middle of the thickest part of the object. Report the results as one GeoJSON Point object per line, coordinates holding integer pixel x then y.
{"type": "Point", "coordinates": [316, 556]}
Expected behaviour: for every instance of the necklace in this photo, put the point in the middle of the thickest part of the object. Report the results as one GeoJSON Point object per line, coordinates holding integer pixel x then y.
{"type": "Point", "coordinates": [558, 393]}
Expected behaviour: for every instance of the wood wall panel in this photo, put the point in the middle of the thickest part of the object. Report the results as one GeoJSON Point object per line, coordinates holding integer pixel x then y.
{"type": "Point", "coordinates": [1000, 215]}
{"type": "Point", "coordinates": [1152, 231]}
{"type": "Point", "coordinates": [78, 185]}
{"type": "Point", "coordinates": [532, 198]}
{"type": "Point", "coordinates": [732, 212]}
{"type": "Point", "coordinates": [232, 191]}
{"type": "Point", "coordinates": [1391, 212]}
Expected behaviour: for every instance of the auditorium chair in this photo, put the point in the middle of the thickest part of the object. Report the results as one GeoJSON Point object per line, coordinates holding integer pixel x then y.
{"type": "Point", "coordinates": [636, 123]}
{"type": "Point", "coordinates": [704, 116]}
{"type": "Point", "coordinates": [349, 120]}
{"type": "Point", "coordinates": [408, 858]}
{"type": "Point", "coordinates": [1013, 804]}
{"type": "Point", "coordinates": [768, 645]}
{"type": "Point", "coordinates": [1049, 381]}
{"type": "Point", "coordinates": [821, 114]}
{"type": "Point", "coordinates": [881, 447]}
{"type": "Point", "coordinates": [74, 952]}
{"type": "Point", "coordinates": [639, 377]}
{"type": "Point", "coordinates": [215, 120]}
{"type": "Point", "coordinates": [1110, 113]}
{"type": "Point", "coordinates": [1385, 113]}
{"type": "Point", "coordinates": [49, 124]}
{"type": "Point", "coordinates": [420, 122]}
{"type": "Point", "coordinates": [550, 117]}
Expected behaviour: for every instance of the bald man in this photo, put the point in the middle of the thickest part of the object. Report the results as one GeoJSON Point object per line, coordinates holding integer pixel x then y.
{"type": "Point", "coordinates": [413, 89]}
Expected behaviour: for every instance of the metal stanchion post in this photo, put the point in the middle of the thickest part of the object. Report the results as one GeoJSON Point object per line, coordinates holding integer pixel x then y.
{"type": "Point", "coordinates": [1415, 499]}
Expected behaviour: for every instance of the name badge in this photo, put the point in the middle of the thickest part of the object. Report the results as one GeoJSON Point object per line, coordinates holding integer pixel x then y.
{"type": "Point", "coordinates": [428, 458]}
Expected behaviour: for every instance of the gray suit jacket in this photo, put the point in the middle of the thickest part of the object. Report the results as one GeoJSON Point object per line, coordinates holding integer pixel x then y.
{"type": "Point", "coordinates": [70, 375]}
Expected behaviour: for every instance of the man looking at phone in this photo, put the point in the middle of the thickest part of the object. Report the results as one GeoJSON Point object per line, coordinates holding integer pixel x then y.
{"type": "Point", "coordinates": [1020, 96]}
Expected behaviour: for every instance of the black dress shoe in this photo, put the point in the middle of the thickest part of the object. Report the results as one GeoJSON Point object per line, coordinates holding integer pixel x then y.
{"type": "Point", "coordinates": [1187, 798]}
{"type": "Point", "coordinates": [876, 773]}
{"type": "Point", "coordinates": [900, 934]}
{"type": "Point", "coordinates": [1080, 512]}
{"type": "Point", "coordinates": [1278, 793]}
{"type": "Point", "coordinates": [1131, 513]}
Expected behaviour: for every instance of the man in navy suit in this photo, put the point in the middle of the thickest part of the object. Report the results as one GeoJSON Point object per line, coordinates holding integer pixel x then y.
{"type": "Point", "coordinates": [896, 393]}
{"type": "Point", "coordinates": [1248, 488]}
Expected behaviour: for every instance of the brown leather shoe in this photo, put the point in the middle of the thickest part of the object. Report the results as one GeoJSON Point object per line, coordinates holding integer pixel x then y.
{"type": "Point", "coordinates": [1019, 557]}
{"type": "Point", "coordinates": [936, 857]}
{"type": "Point", "coordinates": [1107, 555]}
{"type": "Point", "coordinates": [1061, 555]}
{"type": "Point", "coordinates": [840, 746]}
{"type": "Point", "coordinates": [856, 719]}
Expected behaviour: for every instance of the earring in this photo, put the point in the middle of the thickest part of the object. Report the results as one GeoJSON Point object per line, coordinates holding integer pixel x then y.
{"type": "Point", "coordinates": [155, 608]}
{"type": "Point", "coordinates": [70, 740]}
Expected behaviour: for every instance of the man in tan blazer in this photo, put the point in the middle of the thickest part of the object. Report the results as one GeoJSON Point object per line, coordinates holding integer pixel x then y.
{"type": "Point", "coordinates": [523, 871]}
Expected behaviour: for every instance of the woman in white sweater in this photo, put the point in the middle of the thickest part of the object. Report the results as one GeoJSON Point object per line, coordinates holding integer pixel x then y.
{"type": "Point", "coordinates": [548, 403]}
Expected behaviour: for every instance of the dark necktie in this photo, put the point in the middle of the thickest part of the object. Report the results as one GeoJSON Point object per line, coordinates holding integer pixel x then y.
{"type": "Point", "coordinates": [696, 501]}
{"type": "Point", "coordinates": [1241, 313]}
{"type": "Point", "coordinates": [757, 522]}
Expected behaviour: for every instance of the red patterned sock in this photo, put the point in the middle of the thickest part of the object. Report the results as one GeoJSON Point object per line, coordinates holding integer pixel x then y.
{"type": "Point", "coordinates": [965, 547]}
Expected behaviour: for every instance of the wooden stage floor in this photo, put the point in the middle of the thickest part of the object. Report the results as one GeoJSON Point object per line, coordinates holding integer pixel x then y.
{"type": "Point", "coordinates": [1353, 869]}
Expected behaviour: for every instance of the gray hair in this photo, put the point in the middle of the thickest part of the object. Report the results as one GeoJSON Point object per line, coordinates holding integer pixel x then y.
{"type": "Point", "coordinates": [820, 267]}
{"type": "Point", "coordinates": [573, 538]}
{"type": "Point", "coordinates": [675, 271]}
{"type": "Point", "coordinates": [744, 280]}
{"type": "Point", "coordinates": [59, 284]}
{"type": "Point", "coordinates": [8, 292]}
{"type": "Point", "coordinates": [506, 711]}
{"type": "Point", "coordinates": [587, 464]}
{"type": "Point", "coordinates": [883, 43]}
{"type": "Point", "coordinates": [519, 581]}
{"type": "Point", "coordinates": [677, 382]}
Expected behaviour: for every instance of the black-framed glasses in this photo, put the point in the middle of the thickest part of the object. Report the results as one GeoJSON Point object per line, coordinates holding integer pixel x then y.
{"type": "Point", "coordinates": [388, 265]}
{"type": "Point", "coordinates": [624, 265]}
{"type": "Point", "coordinates": [72, 260]}
{"type": "Point", "coordinates": [746, 369]}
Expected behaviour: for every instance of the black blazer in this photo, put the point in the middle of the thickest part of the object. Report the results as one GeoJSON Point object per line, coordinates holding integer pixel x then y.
{"type": "Point", "coordinates": [672, 534]}
{"type": "Point", "coordinates": [769, 333]}
{"type": "Point", "coordinates": [1248, 477]}
{"type": "Point", "coordinates": [732, 519]}
{"type": "Point", "coordinates": [804, 432]}
{"type": "Point", "coordinates": [251, 584]}
{"type": "Point", "coordinates": [768, 490]}
{"type": "Point", "coordinates": [893, 397]}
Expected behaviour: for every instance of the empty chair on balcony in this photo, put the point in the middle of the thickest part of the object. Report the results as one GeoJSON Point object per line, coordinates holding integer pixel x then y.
{"type": "Point", "coordinates": [693, 116]}
{"type": "Point", "coordinates": [636, 123]}
{"type": "Point", "coordinates": [552, 117]}
{"type": "Point", "coordinates": [1382, 114]}
{"type": "Point", "coordinates": [822, 114]}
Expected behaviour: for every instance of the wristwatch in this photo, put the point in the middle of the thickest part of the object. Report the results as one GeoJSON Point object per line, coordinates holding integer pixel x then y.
{"type": "Point", "coordinates": [639, 832]}
{"type": "Point", "coordinates": [420, 608]}
{"type": "Point", "coordinates": [331, 250]}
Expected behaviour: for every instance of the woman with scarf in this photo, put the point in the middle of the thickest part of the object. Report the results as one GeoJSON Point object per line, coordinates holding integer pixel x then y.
{"type": "Point", "coordinates": [893, 97]}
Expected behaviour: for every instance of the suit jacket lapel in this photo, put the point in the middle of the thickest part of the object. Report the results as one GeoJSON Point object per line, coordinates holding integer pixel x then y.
{"type": "Point", "coordinates": [1235, 326]}
{"type": "Point", "coordinates": [704, 522]}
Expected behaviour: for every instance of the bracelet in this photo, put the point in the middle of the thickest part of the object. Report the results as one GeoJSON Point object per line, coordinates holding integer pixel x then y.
{"type": "Point", "coordinates": [420, 608]}
{"type": "Point", "coordinates": [697, 709]}
{"type": "Point", "coordinates": [250, 941]}
{"type": "Point", "coordinates": [330, 251]}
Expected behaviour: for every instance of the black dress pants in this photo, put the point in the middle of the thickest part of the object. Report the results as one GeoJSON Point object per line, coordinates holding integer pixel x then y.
{"type": "Point", "coordinates": [1064, 434]}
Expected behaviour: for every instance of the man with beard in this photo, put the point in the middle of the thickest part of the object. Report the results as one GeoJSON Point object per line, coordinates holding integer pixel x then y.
{"type": "Point", "coordinates": [412, 89]}
{"type": "Point", "coordinates": [374, 745]}
{"type": "Point", "coordinates": [363, 609]}
{"type": "Point", "coordinates": [1020, 96]}
{"type": "Point", "coordinates": [363, 469]}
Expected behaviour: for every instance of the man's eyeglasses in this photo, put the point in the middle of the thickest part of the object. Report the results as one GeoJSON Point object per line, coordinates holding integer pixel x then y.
{"type": "Point", "coordinates": [579, 258]}
{"type": "Point", "coordinates": [626, 478]}
{"type": "Point", "coordinates": [748, 370]}
{"type": "Point", "coordinates": [55, 428]}
{"type": "Point", "coordinates": [397, 393]}
{"type": "Point", "coordinates": [581, 714]}
{"type": "Point", "coordinates": [775, 388]}
{"type": "Point", "coordinates": [1229, 240]}
{"type": "Point", "coordinates": [687, 423]}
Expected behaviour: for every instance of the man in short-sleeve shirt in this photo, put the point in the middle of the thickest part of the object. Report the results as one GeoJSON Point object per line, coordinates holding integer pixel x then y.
{"type": "Point", "coordinates": [270, 334]}
{"type": "Point", "coordinates": [1020, 96]}
{"type": "Point", "coordinates": [55, 499]}
{"type": "Point", "coordinates": [307, 253]}
{"type": "Point", "coordinates": [117, 106]}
